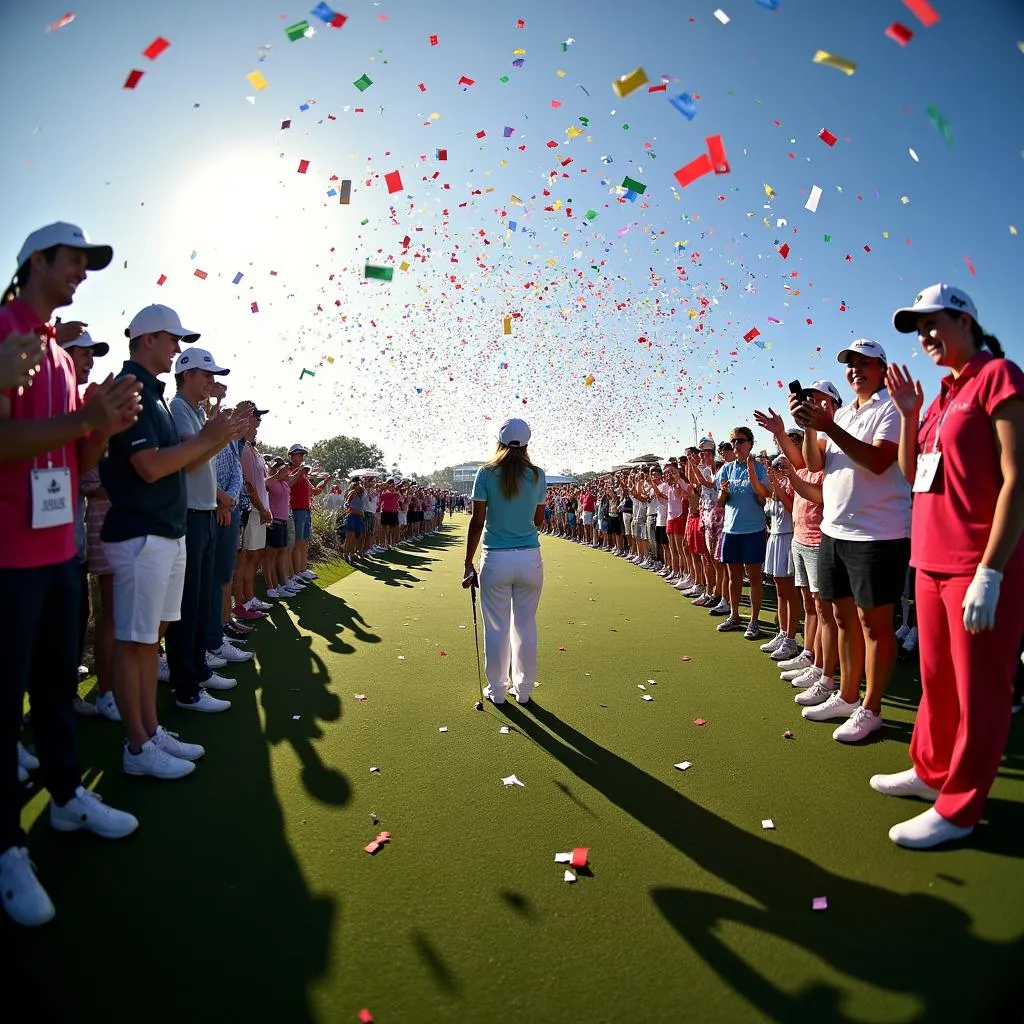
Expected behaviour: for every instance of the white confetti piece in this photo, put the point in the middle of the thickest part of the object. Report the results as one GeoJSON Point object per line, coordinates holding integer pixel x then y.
{"type": "Point", "coordinates": [444, 728]}
{"type": "Point", "coordinates": [569, 876]}
{"type": "Point", "coordinates": [767, 823]}
{"type": "Point", "coordinates": [722, 16]}
{"type": "Point", "coordinates": [913, 156]}
{"type": "Point", "coordinates": [813, 199]}
{"type": "Point", "coordinates": [646, 696]}
{"type": "Point", "coordinates": [563, 858]}
{"type": "Point", "coordinates": [511, 780]}
{"type": "Point", "coordinates": [683, 765]}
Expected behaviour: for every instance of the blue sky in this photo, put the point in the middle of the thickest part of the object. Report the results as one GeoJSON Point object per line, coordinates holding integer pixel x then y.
{"type": "Point", "coordinates": [185, 164]}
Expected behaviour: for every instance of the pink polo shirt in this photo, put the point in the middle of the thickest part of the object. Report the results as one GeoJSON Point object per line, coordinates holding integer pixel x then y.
{"type": "Point", "coordinates": [951, 522]}
{"type": "Point", "coordinates": [807, 515]}
{"type": "Point", "coordinates": [51, 393]}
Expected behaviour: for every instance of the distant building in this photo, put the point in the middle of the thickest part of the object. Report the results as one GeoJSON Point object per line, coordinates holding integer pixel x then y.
{"type": "Point", "coordinates": [464, 475]}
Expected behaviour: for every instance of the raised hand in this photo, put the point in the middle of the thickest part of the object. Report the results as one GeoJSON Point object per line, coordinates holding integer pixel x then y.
{"type": "Point", "coordinates": [813, 415]}
{"type": "Point", "coordinates": [20, 355]}
{"type": "Point", "coordinates": [114, 405]}
{"type": "Point", "coordinates": [70, 330]}
{"type": "Point", "coordinates": [770, 421]}
{"type": "Point", "coordinates": [905, 392]}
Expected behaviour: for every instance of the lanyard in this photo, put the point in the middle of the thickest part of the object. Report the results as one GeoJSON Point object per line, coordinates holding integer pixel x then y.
{"type": "Point", "coordinates": [938, 427]}
{"type": "Point", "coordinates": [49, 407]}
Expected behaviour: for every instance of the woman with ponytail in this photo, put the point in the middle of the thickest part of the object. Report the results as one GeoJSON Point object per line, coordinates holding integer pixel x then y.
{"type": "Point", "coordinates": [965, 460]}
{"type": "Point", "coordinates": [508, 510]}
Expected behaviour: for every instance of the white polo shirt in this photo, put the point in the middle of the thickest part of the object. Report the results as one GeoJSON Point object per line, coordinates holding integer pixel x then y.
{"type": "Point", "coordinates": [859, 504]}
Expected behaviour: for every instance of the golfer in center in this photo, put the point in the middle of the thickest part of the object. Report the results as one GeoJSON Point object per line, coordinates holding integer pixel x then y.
{"type": "Point", "coordinates": [508, 509]}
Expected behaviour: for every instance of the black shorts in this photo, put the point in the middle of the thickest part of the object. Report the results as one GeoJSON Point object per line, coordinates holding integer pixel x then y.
{"type": "Point", "coordinates": [661, 536]}
{"type": "Point", "coordinates": [389, 519]}
{"type": "Point", "coordinates": [277, 534]}
{"type": "Point", "coordinates": [415, 517]}
{"type": "Point", "coordinates": [872, 572]}
{"type": "Point", "coordinates": [614, 526]}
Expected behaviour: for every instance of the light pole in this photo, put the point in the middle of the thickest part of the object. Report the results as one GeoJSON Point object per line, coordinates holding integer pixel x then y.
{"type": "Point", "coordinates": [694, 417]}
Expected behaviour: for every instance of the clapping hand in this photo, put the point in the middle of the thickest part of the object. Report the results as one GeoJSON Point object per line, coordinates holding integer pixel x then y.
{"type": "Point", "coordinates": [810, 414]}
{"type": "Point", "coordinates": [20, 355]}
{"type": "Point", "coordinates": [770, 421]}
{"type": "Point", "coordinates": [905, 392]}
{"type": "Point", "coordinates": [114, 405]}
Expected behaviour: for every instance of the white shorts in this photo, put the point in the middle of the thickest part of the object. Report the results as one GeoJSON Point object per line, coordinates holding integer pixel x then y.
{"type": "Point", "coordinates": [403, 518]}
{"type": "Point", "coordinates": [777, 560]}
{"type": "Point", "coordinates": [149, 576]}
{"type": "Point", "coordinates": [254, 538]}
{"type": "Point", "coordinates": [588, 518]}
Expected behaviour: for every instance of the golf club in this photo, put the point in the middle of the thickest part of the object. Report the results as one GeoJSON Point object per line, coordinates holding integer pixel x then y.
{"type": "Point", "coordinates": [476, 636]}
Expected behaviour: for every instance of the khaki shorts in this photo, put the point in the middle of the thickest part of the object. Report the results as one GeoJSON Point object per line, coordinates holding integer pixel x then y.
{"type": "Point", "coordinates": [255, 536]}
{"type": "Point", "coordinates": [149, 577]}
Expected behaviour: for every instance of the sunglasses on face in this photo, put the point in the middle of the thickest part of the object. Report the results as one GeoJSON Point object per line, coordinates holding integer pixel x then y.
{"type": "Point", "coordinates": [741, 440]}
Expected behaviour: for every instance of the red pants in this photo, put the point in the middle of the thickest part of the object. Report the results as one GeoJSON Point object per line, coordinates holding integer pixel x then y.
{"type": "Point", "coordinates": [967, 683]}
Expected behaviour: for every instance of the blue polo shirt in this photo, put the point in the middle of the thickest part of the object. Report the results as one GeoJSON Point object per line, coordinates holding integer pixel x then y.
{"type": "Point", "coordinates": [509, 524]}
{"type": "Point", "coordinates": [139, 509]}
{"type": "Point", "coordinates": [743, 512]}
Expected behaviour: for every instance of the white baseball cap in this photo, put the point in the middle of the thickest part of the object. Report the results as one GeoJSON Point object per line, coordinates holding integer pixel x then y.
{"type": "Point", "coordinates": [863, 347]}
{"type": "Point", "coordinates": [933, 299]}
{"type": "Point", "coordinates": [826, 387]}
{"type": "Point", "coordinates": [198, 359]}
{"type": "Point", "coordinates": [71, 235]}
{"type": "Point", "coordinates": [706, 445]}
{"type": "Point", "coordinates": [296, 448]}
{"type": "Point", "coordinates": [99, 348]}
{"type": "Point", "coordinates": [156, 318]}
{"type": "Point", "coordinates": [514, 433]}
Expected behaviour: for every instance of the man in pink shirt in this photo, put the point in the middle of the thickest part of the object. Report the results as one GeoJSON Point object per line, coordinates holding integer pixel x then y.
{"type": "Point", "coordinates": [46, 439]}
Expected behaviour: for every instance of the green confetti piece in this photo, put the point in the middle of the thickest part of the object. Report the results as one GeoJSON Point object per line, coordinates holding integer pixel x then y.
{"type": "Point", "coordinates": [375, 273]}
{"type": "Point", "coordinates": [941, 123]}
{"type": "Point", "coordinates": [634, 186]}
{"type": "Point", "coordinates": [363, 223]}
{"type": "Point", "coordinates": [828, 238]}
{"type": "Point", "coordinates": [363, 82]}
{"type": "Point", "coordinates": [591, 214]}
{"type": "Point", "coordinates": [585, 121]}
{"type": "Point", "coordinates": [307, 373]}
{"type": "Point", "coordinates": [297, 31]}
{"type": "Point", "coordinates": [625, 127]}
{"type": "Point", "coordinates": [503, 79]}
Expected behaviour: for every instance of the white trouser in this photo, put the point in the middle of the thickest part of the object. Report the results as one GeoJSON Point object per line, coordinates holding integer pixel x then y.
{"type": "Point", "coordinates": [510, 586]}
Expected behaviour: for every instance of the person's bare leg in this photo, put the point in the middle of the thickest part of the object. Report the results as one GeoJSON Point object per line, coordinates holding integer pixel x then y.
{"type": "Point", "coordinates": [127, 680]}
{"type": "Point", "coordinates": [828, 631]}
{"type": "Point", "coordinates": [104, 639]}
{"type": "Point", "coordinates": [812, 641]}
{"type": "Point", "coordinates": [735, 573]}
{"type": "Point", "coordinates": [722, 573]}
{"type": "Point", "coordinates": [851, 647]}
{"type": "Point", "coordinates": [756, 590]}
{"type": "Point", "coordinates": [147, 675]}
{"type": "Point", "coordinates": [302, 555]}
{"type": "Point", "coordinates": [789, 605]}
{"type": "Point", "coordinates": [879, 653]}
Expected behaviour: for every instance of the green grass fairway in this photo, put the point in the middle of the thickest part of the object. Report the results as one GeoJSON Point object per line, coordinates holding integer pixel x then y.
{"type": "Point", "coordinates": [246, 894]}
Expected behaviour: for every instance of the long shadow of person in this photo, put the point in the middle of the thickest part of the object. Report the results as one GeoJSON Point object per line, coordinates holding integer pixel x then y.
{"type": "Point", "coordinates": [296, 698]}
{"type": "Point", "coordinates": [331, 617]}
{"type": "Point", "coordinates": [203, 914]}
{"type": "Point", "coordinates": [910, 945]}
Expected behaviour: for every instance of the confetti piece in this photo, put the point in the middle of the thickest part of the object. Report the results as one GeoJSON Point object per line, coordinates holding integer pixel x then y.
{"type": "Point", "coordinates": [201, 274]}
{"type": "Point", "coordinates": [363, 82]}
{"type": "Point", "coordinates": [634, 186]}
{"type": "Point", "coordinates": [256, 80]}
{"type": "Point", "coordinates": [767, 823]}
{"type": "Point", "coordinates": [941, 123]}
{"type": "Point", "coordinates": [444, 728]}
{"type": "Point", "coordinates": [433, 40]}
{"type": "Point", "coordinates": [378, 843]}
{"type": "Point", "coordinates": [237, 278]}
{"type": "Point", "coordinates": [161, 279]}
{"type": "Point", "coordinates": [303, 166]}
{"type": "Point", "coordinates": [722, 16]}
{"type": "Point", "coordinates": [646, 696]}
{"type": "Point", "coordinates": [752, 334]}
{"type": "Point", "coordinates": [716, 151]}
{"type": "Point", "coordinates": [155, 48]}
{"type": "Point", "coordinates": [923, 11]}
{"type": "Point", "coordinates": [812, 202]}
{"type": "Point", "coordinates": [787, 735]}
{"type": "Point", "coordinates": [568, 876]}
{"type": "Point", "coordinates": [700, 721]}
{"type": "Point", "coordinates": [512, 780]}
{"type": "Point", "coordinates": [683, 765]}
{"type": "Point", "coordinates": [376, 273]}
{"type": "Point", "coordinates": [685, 104]}
{"type": "Point", "coordinates": [297, 31]}
{"type": "Point", "coordinates": [346, 191]}
{"type": "Point", "coordinates": [970, 266]}
{"type": "Point", "coordinates": [579, 856]}
{"type": "Point", "coordinates": [834, 61]}
{"type": "Point", "coordinates": [365, 1017]}
{"type": "Point", "coordinates": [307, 373]}
{"type": "Point", "coordinates": [769, 5]}
{"type": "Point", "coordinates": [899, 33]}
{"type": "Point", "coordinates": [254, 307]}
{"type": "Point", "coordinates": [913, 156]}
{"type": "Point", "coordinates": [394, 181]}
{"type": "Point", "coordinates": [133, 79]}
{"type": "Point", "coordinates": [466, 82]}
{"type": "Point", "coordinates": [630, 83]}
{"type": "Point", "coordinates": [506, 325]}
{"type": "Point", "coordinates": [61, 22]}
{"type": "Point", "coordinates": [819, 903]}
{"type": "Point", "coordinates": [694, 170]}
{"type": "Point", "coordinates": [783, 251]}
{"type": "Point", "coordinates": [827, 137]}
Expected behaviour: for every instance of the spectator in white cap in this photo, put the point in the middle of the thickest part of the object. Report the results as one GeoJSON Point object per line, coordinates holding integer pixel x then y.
{"type": "Point", "coordinates": [966, 463]}
{"type": "Point", "coordinates": [48, 436]}
{"type": "Point", "coordinates": [144, 540]}
{"type": "Point", "coordinates": [508, 510]}
{"type": "Point", "coordinates": [865, 527]}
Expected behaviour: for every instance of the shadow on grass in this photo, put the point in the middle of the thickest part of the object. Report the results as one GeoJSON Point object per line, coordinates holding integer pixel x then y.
{"type": "Point", "coordinates": [203, 914]}
{"type": "Point", "coordinates": [907, 945]}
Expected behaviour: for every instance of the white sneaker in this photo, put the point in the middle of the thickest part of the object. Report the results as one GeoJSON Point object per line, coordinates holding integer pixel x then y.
{"type": "Point", "coordinates": [24, 899]}
{"type": "Point", "coordinates": [773, 644]}
{"type": "Point", "coordinates": [308, 575]}
{"type": "Point", "coordinates": [204, 702]}
{"type": "Point", "coordinates": [910, 640]}
{"type": "Point", "coordinates": [286, 590]}
{"type": "Point", "coordinates": [106, 705]}
{"type": "Point", "coordinates": [903, 784]}
{"type": "Point", "coordinates": [26, 760]}
{"type": "Point", "coordinates": [163, 670]}
{"type": "Point", "coordinates": [214, 660]}
{"type": "Point", "coordinates": [87, 810]}
{"type": "Point", "coordinates": [722, 608]}
{"type": "Point", "coordinates": [808, 677]}
{"type": "Point", "coordinates": [834, 707]}
{"type": "Point", "coordinates": [169, 743]}
{"type": "Point", "coordinates": [859, 726]}
{"type": "Point", "coordinates": [151, 760]}
{"type": "Point", "coordinates": [801, 661]}
{"type": "Point", "coordinates": [219, 682]}
{"type": "Point", "coordinates": [274, 593]}
{"type": "Point", "coordinates": [793, 674]}
{"type": "Point", "coordinates": [786, 650]}
{"type": "Point", "coordinates": [83, 707]}
{"type": "Point", "coordinates": [296, 584]}
{"type": "Point", "coordinates": [682, 584]}
{"type": "Point", "coordinates": [902, 632]}
{"type": "Point", "coordinates": [226, 652]}
{"type": "Point", "coordinates": [928, 829]}
{"type": "Point", "coordinates": [817, 693]}
{"type": "Point", "coordinates": [694, 593]}
{"type": "Point", "coordinates": [260, 606]}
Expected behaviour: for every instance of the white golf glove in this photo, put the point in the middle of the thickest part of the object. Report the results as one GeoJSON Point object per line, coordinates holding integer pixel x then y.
{"type": "Point", "coordinates": [981, 599]}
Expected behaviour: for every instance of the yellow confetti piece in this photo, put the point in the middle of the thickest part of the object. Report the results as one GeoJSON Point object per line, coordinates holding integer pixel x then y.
{"type": "Point", "coordinates": [256, 80]}
{"type": "Point", "coordinates": [330, 360]}
{"type": "Point", "coordinates": [885, 234]}
{"type": "Point", "coordinates": [435, 117]}
{"type": "Point", "coordinates": [561, 74]}
{"type": "Point", "coordinates": [515, 201]}
{"type": "Point", "coordinates": [506, 325]}
{"type": "Point", "coordinates": [769, 191]}
{"type": "Point", "coordinates": [1013, 230]}
{"type": "Point", "coordinates": [572, 131]}
{"type": "Point", "coordinates": [403, 266]}
{"type": "Point", "coordinates": [834, 61]}
{"type": "Point", "coordinates": [630, 83]}
{"type": "Point", "coordinates": [519, 53]}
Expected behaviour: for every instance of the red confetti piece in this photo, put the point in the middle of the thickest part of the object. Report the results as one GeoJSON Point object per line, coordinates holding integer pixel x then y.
{"type": "Point", "coordinates": [466, 81]}
{"type": "Point", "coordinates": [658, 88]}
{"type": "Point", "coordinates": [303, 166]}
{"type": "Point", "coordinates": [394, 181]}
{"type": "Point", "coordinates": [520, 23]}
{"type": "Point", "coordinates": [442, 154]}
{"type": "Point", "coordinates": [750, 336]}
{"type": "Point", "coordinates": [923, 11]}
{"type": "Point", "coordinates": [61, 22]}
{"type": "Point", "coordinates": [433, 40]}
{"type": "Point", "coordinates": [422, 87]}
{"type": "Point", "coordinates": [254, 308]}
{"type": "Point", "coordinates": [365, 1016]}
{"type": "Point", "coordinates": [827, 137]}
{"type": "Point", "coordinates": [700, 721]}
{"type": "Point", "coordinates": [717, 153]}
{"type": "Point", "coordinates": [155, 48]}
{"type": "Point", "coordinates": [899, 33]}
{"type": "Point", "coordinates": [970, 266]}
{"type": "Point", "coordinates": [579, 856]}
{"type": "Point", "coordinates": [481, 134]}
{"type": "Point", "coordinates": [338, 20]}
{"type": "Point", "coordinates": [161, 279]}
{"type": "Point", "coordinates": [201, 274]}
{"type": "Point", "coordinates": [442, 654]}
{"type": "Point", "coordinates": [133, 79]}
{"type": "Point", "coordinates": [693, 170]}
{"type": "Point", "coordinates": [784, 251]}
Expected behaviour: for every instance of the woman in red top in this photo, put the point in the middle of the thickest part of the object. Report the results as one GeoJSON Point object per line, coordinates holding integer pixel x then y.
{"type": "Point", "coordinates": [389, 498]}
{"type": "Point", "coordinates": [966, 463]}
